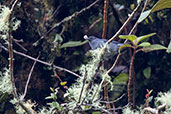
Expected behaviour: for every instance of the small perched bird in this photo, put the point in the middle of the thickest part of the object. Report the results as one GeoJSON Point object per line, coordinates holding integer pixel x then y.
{"type": "Point", "coordinates": [112, 49]}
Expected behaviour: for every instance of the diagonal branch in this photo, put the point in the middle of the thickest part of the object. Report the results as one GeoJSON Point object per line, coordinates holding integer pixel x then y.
{"type": "Point", "coordinates": [29, 77]}
{"type": "Point", "coordinates": [66, 19]}
{"type": "Point", "coordinates": [43, 62]}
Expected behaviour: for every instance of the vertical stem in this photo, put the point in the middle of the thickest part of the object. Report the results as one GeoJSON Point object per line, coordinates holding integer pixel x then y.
{"type": "Point", "coordinates": [105, 12]}
{"type": "Point", "coordinates": [146, 105]}
{"type": "Point", "coordinates": [106, 2]}
{"type": "Point", "coordinates": [130, 74]}
{"type": "Point", "coordinates": [134, 89]}
{"type": "Point", "coordinates": [10, 47]}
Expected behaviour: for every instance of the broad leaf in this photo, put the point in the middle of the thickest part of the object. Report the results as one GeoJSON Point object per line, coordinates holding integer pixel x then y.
{"type": "Point", "coordinates": [128, 37]}
{"type": "Point", "coordinates": [169, 48]}
{"type": "Point", "coordinates": [124, 46]}
{"type": "Point", "coordinates": [144, 15]}
{"type": "Point", "coordinates": [121, 79]}
{"type": "Point", "coordinates": [154, 47]}
{"type": "Point", "coordinates": [147, 72]}
{"type": "Point", "coordinates": [139, 39]}
{"type": "Point", "coordinates": [73, 44]}
{"type": "Point", "coordinates": [161, 4]}
{"type": "Point", "coordinates": [144, 44]}
{"type": "Point", "coordinates": [119, 85]}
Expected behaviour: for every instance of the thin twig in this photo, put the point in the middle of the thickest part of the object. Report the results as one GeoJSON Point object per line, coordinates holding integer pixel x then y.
{"type": "Point", "coordinates": [43, 62]}
{"type": "Point", "coordinates": [96, 108]}
{"type": "Point", "coordinates": [123, 26]}
{"type": "Point", "coordinates": [16, 41]}
{"type": "Point", "coordinates": [13, 5]}
{"type": "Point", "coordinates": [136, 24]}
{"type": "Point", "coordinates": [114, 100]}
{"type": "Point", "coordinates": [64, 86]}
{"type": "Point", "coordinates": [29, 77]}
{"type": "Point", "coordinates": [57, 76]}
{"type": "Point", "coordinates": [96, 21]}
{"type": "Point", "coordinates": [66, 19]}
{"type": "Point", "coordinates": [110, 40]}
{"type": "Point", "coordinates": [82, 89]}
{"type": "Point", "coordinates": [116, 60]}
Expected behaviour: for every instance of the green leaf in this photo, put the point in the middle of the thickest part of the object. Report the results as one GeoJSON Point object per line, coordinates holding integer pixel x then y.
{"type": "Point", "coordinates": [144, 15]}
{"type": "Point", "coordinates": [73, 44]}
{"type": "Point", "coordinates": [51, 89]}
{"type": "Point", "coordinates": [97, 112]}
{"type": "Point", "coordinates": [144, 44]}
{"type": "Point", "coordinates": [128, 37]}
{"type": "Point", "coordinates": [58, 38]}
{"type": "Point", "coordinates": [169, 47]}
{"type": "Point", "coordinates": [119, 84]}
{"type": "Point", "coordinates": [161, 4]}
{"type": "Point", "coordinates": [55, 104]}
{"type": "Point", "coordinates": [139, 39]}
{"type": "Point", "coordinates": [147, 72]}
{"type": "Point", "coordinates": [153, 48]}
{"type": "Point", "coordinates": [52, 96]}
{"type": "Point", "coordinates": [124, 46]}
{"type": "Point", "coordinates": [121, 79]}
{"type": "Point", "coordinates": [4, 95]}
{"type": "Point", "coordinates": [86, 107]}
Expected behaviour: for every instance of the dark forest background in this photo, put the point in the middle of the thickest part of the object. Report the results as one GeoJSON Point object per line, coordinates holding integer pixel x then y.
{"type": "Point", "coordinates": [39, 16]}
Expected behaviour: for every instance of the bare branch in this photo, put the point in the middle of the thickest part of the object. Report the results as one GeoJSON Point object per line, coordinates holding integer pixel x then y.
{"type": "Point", "coordinates": [28, 80]}
{"type": "Point", "coordinates": [13, 5]}
{"type": "Point", "coordinates": [124, 25]}
{"type": "Point", "coordinates": [69, 18]}
{"type": "Point", "coordinates": [154, 110]}
{"type": "Point", "coordinates": [43, 62]}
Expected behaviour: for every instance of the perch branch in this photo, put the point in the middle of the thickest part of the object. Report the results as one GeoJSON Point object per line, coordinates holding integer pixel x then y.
{"type": "Point", "coordinates": [123, 26]}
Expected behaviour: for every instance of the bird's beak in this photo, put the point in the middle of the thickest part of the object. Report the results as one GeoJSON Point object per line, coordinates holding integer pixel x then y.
{"type": "Point", "coordinates": [85, 37]}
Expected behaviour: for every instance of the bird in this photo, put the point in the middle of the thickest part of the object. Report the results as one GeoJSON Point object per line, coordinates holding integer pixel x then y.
{"type": "Point", "coordinates": [95, 43]}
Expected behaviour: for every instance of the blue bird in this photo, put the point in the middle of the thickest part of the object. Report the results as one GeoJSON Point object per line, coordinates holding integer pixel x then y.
{"type": "Point", "coordinates": [112, 49]}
